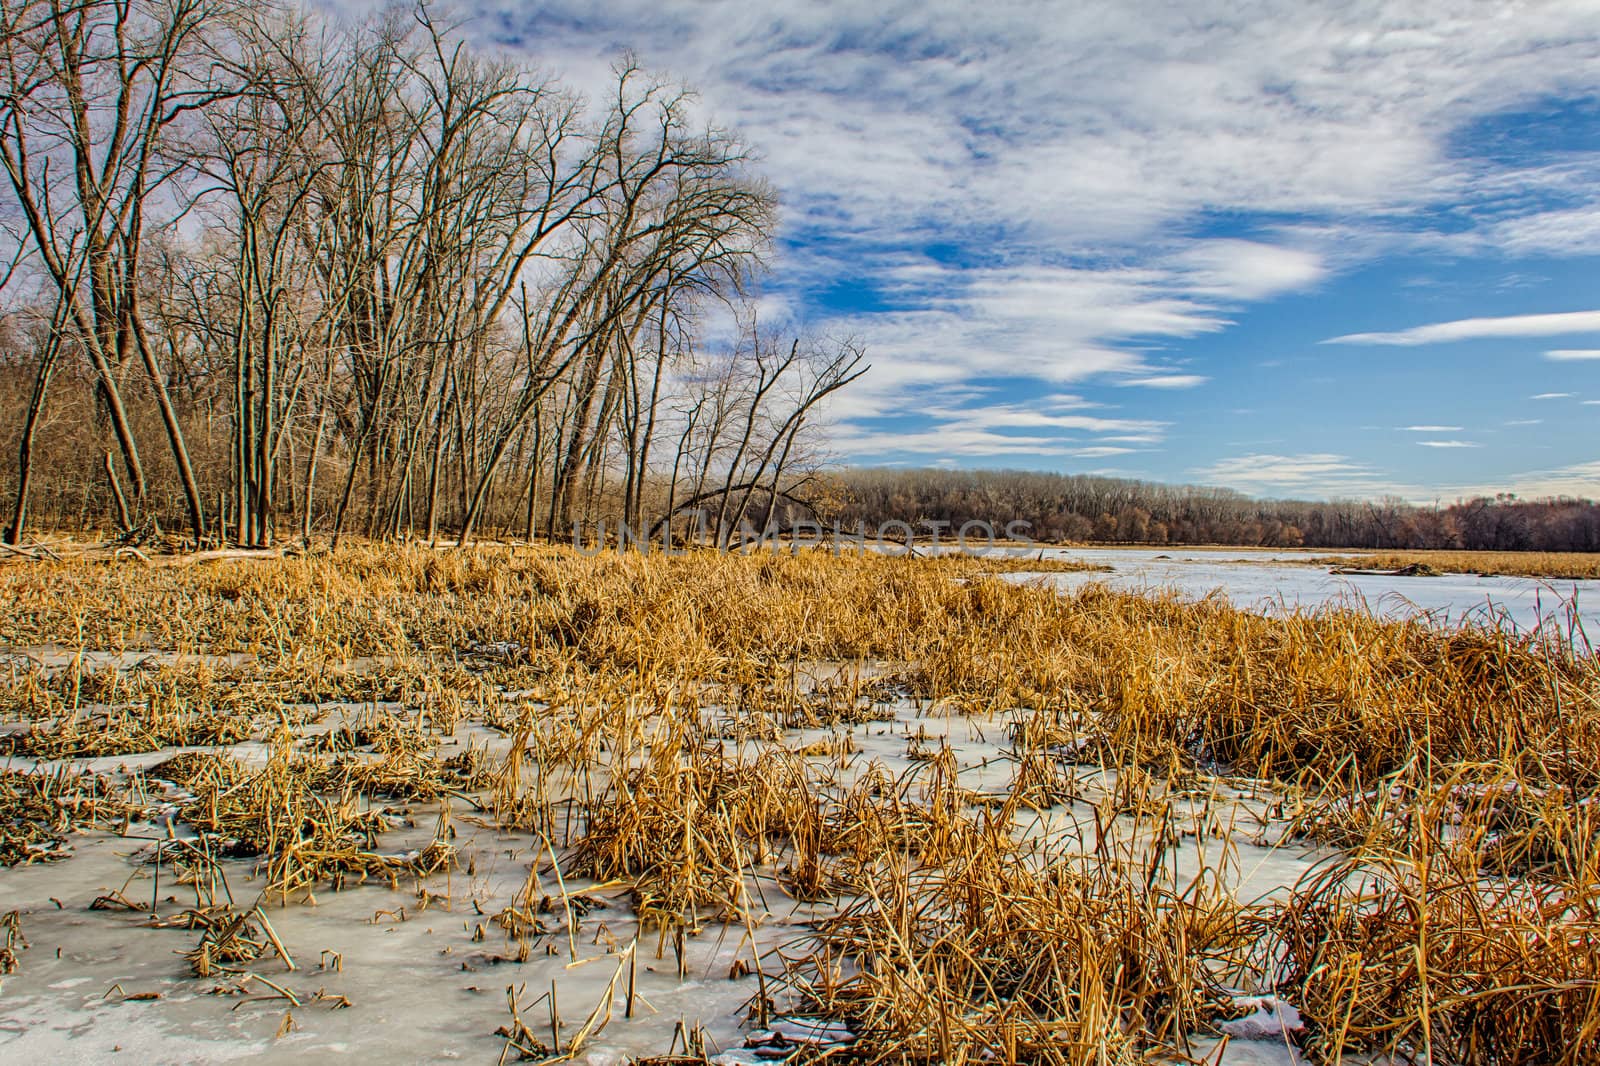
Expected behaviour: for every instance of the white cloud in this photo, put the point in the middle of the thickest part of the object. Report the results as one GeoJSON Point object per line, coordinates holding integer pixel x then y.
{"type": "Point", "coordinates": [1052, 426]}
{"type": "Point", "coordinates": [1449, 444]}
{"type": "Point", "coordinates": [1319, 474]}
{"type": "Point", "coordinates": [1327, 475]}
{"type": "Point", "coordinates": [1480, 328]}
{"type": "Point", "coordinates": [1552, 396]}
{"type": "Point", "coordinates": [1107, 124]}
{"type": "Point", "coordinates": [1569, 231]}
{"type": "Point", "coordinates": [1570, 355]}
{"type": "Point", "coordinates": [1101, 451]}
{"type": "Point", "coordinates": [1431, 429]}
{"type": "Point", "coordinates": [1248, 270]}
{"type": "Point", "coordinates": [1526, 421]}
{"type": "Point", "coordinates": [1578, 479]}
{"type": "Point", "coordinates": [1058, 325]}
{"type": "Point", "coordinates": [1166, 381]}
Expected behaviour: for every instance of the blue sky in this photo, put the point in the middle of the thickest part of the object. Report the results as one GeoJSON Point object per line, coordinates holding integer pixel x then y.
{"type": "Point", "coordinates": [1293, 249]}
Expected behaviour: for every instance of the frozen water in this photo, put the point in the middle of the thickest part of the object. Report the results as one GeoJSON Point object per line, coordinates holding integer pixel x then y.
{"type": "Point", "coordinates": [424, 984]}
{"type": "Point", "coordinates": [1268, 580]}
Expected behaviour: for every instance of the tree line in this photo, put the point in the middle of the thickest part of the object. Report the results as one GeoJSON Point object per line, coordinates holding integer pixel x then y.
{"type": "Point", "coordinates": [1083, 508]}
{"type": "Point", "coordinates": [267, 272]}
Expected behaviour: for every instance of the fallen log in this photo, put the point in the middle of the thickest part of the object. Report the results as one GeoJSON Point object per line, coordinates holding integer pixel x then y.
{"type": "Point", "coordinates": [1412, 570]}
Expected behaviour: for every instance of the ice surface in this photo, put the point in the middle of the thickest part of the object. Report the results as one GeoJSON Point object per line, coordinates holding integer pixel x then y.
{"type": "Point", "coordinates": [1262, 579]}
{"type": "Point", "coordinates": [425, 985]}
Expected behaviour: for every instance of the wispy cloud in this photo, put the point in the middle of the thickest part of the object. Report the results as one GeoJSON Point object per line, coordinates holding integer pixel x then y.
{"type": "Point", "coordinates": [1431, 429]}
{"type": "Point", "coordinates": [1324, 475]}
{"type": "Point", "coordinates": [1565, 231]}
{"type": "Point", "coordinates": [1571, 355]}
{"type": "Point", "coordinates": [1466, 329]}
{"type": "Point", "coordinates": [1578, 479]}
{"type": "Point", "coordinates": [1055, 427]}
{"type": "Point", "coordinates": [1247, 270]}
{"type": "Point", "coordinates": [1449, 444]}
{"type": "Point", "coordinates": [1552, 396]}
{"type": "Point", "coordinates": [1526, 421]}
{"type": "Point", "coordinates": [1057, 325]}
{"type": "Point", "coordinates": [1100, 451]}
{"type": "Point", "coordinates": [1309, 474]}
{"type": "Point", "coordinates": [1166, 381]}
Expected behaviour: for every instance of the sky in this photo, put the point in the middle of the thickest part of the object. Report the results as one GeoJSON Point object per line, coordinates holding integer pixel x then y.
{"type": "Point", "coordinates": [1313, 250]}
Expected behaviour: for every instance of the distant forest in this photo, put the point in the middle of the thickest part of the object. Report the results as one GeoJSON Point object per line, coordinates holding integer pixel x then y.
{"type": "Point", "coordinates": [1069, 507]}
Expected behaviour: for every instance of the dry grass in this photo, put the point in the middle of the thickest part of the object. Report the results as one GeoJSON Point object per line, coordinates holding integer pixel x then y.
{"type": "Point", "coordinates": [642, 708]}
{"type": "Point", "coordinates": [1266, 696]}
{"type": "Point", "coordinates": [991, 956]}
{"type": "Point", "coordinates": [1555, 566]}
{"type": "Point", "coordinates": [15, 942]}
{"type": "Point", "coordinates": [39, 811]}
{"type": "Point", "coordinates": [1416, 956]}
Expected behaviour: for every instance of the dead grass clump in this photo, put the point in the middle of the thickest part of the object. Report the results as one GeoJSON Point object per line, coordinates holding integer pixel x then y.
{"type": "Point", "coordinates": [11, 925]}
{"type": "Point", "coordinates": [993, 957]}
{"type": "Point", "coordinates": [1339, 694]}
{"type": "Point", "coordinates": [227, 939]}
{"type": "Point", "coordinates": [1419, 957]}
{"type": "Point", "coordinates": [880, 824]}
{"type": "Point", "coordinates": [1514, 826]}
{"type": "Point", "coordinates": [1579, 566]}
{"type": "Point", "coordinates": [688, 824]}
{"type": "Point", "coordinates": [43, 693]}
{"type": "Point", "coordinates": [39, 810]}
{"type": "Point", "coordinates": [112, 731]}
{"type": "Point", "coordinates": [26, 693]}
{"type": "Point", "coordinates": [405, 772]}
{"type": "Point", "coordinates": [302, 837]}
{"type": "Point", "coordinates": [193, 770]}
{"type": "Point", "coordinates": [128, 729]}
{"type": "Point", "coordinates": [844, 699]}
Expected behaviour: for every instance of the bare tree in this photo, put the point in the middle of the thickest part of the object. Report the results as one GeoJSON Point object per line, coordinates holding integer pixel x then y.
{"type": "Point", "coordinates": [262, 163]}
{"type": "Point", "coordinates": [94, 90]}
